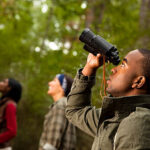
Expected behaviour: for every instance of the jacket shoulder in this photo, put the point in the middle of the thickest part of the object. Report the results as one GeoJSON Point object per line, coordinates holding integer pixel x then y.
{"type": "Point", "coordinates": [134, 130]}
{"type": "Point", "coordinates": [138, 118]}
{"type": "Point", "coordinates": [61, 104]}
{"type": "Point", "coordinates": [140, 115]}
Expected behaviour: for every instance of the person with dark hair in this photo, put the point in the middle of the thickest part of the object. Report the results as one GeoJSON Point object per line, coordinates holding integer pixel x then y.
{"type": "Point", "coordinates": [58, 133]}
{"type": "Point", "coordinates": [11, 93]}
{"type": "Point", "coordinates": [123, 121]}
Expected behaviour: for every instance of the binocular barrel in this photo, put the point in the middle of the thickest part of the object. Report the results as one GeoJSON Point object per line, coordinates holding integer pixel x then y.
{"type": "Point", "coordinates": [96, 44]}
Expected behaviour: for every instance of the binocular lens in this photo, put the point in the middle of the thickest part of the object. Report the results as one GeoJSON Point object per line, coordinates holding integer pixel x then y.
{"type": "Point", "coordinates": [86, 36]}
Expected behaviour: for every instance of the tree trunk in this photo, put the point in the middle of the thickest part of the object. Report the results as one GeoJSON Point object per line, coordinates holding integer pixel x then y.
{"type": "Point", "coordinates": [89, 16]}
{"type": "Point", "coordinates": [144, 40]}
{"type": "Point", "coordinates": [50, 14]}
{"type": "Point", "coordinates": [94, 13]}
{"type": "Point", "coordinates": [145, 14]}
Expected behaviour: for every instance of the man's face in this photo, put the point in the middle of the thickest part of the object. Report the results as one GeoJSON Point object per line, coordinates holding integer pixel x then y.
{"type": "Point", "coordinates": [54, 87]}
{"type": "Point", "coordinates": [121, 80]}
{"type": "Point", "coordinates": [4, 86]}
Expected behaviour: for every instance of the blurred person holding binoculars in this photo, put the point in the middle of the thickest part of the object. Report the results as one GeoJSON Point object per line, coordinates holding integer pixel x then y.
{"type": "Point", "coordinates": [123, 121]}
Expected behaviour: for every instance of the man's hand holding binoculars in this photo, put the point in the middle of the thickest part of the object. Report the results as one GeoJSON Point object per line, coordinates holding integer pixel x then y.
{"type": "Point", "coordinates": [92, 64]}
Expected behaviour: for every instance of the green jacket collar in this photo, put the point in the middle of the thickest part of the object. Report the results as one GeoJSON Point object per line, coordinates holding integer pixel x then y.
{"type": "Point", "coordinates": [118, 106]}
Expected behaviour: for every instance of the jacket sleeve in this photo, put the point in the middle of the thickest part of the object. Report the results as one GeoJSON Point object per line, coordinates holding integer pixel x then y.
{"type": "Point", "coordinates": [79, 110]}
{"type": "Point", "coordinates": [134, 132]}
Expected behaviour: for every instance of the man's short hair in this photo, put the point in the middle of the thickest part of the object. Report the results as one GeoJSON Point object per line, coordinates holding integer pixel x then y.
{"type": "Point", "coordinates": [146, 65]}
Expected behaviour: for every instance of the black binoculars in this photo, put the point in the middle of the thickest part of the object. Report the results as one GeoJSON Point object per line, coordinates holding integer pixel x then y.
{"type": "Point", "coordinates": [96, 44]}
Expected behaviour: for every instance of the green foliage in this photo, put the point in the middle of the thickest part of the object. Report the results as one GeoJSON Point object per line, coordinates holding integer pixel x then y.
{"type": "Point", "coordinates": [26, 30]}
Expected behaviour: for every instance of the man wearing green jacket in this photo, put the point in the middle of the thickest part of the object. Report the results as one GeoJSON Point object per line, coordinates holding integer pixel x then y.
{"type": "Point", "coordinates": [123, 121]}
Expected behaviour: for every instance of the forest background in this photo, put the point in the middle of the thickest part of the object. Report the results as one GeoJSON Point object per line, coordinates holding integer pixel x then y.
{"type": "Point", "coordinates": [39, 38]}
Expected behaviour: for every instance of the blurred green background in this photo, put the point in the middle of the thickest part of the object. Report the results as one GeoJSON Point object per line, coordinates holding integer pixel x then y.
{"type": "Point", "coordinates": [39, 38]}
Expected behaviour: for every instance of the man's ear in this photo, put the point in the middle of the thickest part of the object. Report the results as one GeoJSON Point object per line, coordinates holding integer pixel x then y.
{"type": "Point", "coordinates": [139, 82]}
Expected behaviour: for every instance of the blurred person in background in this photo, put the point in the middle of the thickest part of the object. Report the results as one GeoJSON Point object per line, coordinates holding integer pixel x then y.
{"type": "Point", "coordinates": [58, 133]}
{"type": "Point", "coordinates": [11, 93]}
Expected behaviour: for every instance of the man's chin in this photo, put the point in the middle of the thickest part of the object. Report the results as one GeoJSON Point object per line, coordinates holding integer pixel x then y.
{"type": "Point", "coordinates": [112, 93]}
{"type": "Point", "coordinates": [108, 90]}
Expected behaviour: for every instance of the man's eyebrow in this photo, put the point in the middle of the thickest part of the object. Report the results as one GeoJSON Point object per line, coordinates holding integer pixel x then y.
{"type": "Point", "coordinates": [125, 60]}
